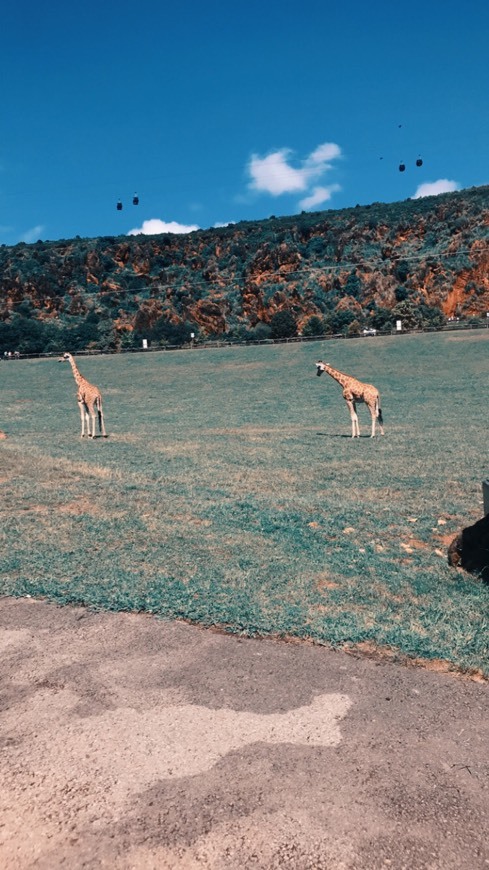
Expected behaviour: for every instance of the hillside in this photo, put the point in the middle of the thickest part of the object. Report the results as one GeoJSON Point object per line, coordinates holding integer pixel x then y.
{"type": "Point", "coordinates": [419, 260]}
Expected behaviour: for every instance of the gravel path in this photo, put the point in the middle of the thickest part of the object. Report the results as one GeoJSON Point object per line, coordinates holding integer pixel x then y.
{"type": "Point", "coordinates": [128, 742]}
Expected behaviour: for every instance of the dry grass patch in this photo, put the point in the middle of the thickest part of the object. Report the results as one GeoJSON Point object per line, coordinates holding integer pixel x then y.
{"type": "Point", "coordinates": [177, 449]}
{"type": "Point", "coordinates": [323, 582]}
{"type": "Point", "coordinates": [126, 438]}
{"type": "Point", "coordinates": [85, 506]}
{"type": "Point", "coordinates": [414, 544]}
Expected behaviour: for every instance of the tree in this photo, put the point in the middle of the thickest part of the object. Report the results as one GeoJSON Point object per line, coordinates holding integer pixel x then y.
{"type": "Point", "coordinates": [27, 335]}
{"type": "Point", "coordinates": [353, 328]}
{"type": "Point", "coordinates": [401, 271]}
{"type": "Point", "coordinates": [353, 286]}
{"type": "Point", "coordinates": [409, 314]}
{"type": "Point", "coordinates": [260, 332]}
{"type": "Point", "coordinates": [382, 318]}
{"type": "Point", "coordinates": [431, 316]}
{"type": "Point", "coordinates": [338, 321]}
{"type": "Point", "coordinates": [313, 326]}
{"type": "Point", "coordinates": [401, 294]}
{"type": "Point", "coordinates": [283, 325]}
{"type": "Point", "coordinates": [166, 332]}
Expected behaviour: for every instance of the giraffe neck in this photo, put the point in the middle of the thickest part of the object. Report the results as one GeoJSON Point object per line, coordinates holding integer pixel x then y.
{"type": "Point", "coordinates": [338, 376]}
{"type": "Point", "coordinates": [76, 373]}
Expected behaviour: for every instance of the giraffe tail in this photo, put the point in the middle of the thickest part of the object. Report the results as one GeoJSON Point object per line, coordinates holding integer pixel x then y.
{"type": "Point", "coordinates": [379, 412]}
{"type": "Point", "coordinates": [98, 405]}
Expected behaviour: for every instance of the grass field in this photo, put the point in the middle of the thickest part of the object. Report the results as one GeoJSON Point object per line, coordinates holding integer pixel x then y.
{"type": "Point", "coordinates": [229, 491]}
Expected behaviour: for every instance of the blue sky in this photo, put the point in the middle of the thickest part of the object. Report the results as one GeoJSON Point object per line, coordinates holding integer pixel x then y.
{"type": "Point", "coordinates": [216, 112]}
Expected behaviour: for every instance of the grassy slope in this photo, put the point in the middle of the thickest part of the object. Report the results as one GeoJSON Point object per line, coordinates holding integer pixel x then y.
{"type": "Point", "coordinates": [229, 492]}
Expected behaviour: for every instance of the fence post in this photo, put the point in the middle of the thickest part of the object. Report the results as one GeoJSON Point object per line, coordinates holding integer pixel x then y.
{"type": "Point", "coordinates": [485, 495]}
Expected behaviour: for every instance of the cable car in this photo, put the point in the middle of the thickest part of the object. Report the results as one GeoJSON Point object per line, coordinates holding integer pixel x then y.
{"type": "Point", "coordinates": [119, 205]}
{"type": "Point", "coordinates": [419, 162]}
{"type": "Point", "coordinates": [135, 199]}
{"type": "Point", "coordinates": [402, 167]}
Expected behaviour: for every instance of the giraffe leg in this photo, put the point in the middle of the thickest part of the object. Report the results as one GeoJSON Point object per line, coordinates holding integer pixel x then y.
{"type": "Point", "coordinates": [82, 414]}
{"type": "Point", "coordinates": [356, 425]}
{"type": "Point", "coordinates": [355, 430]}
{"type": "Point", "coordinates": [373, 414]}
{"type": "Point", "coordinates": [376, 417]}
{"type": "Point", "coordinates": [91, 433]}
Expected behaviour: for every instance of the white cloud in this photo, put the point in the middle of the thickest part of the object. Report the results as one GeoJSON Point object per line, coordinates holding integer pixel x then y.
{"type": "Point", "coordinates": [33, 234]}
{"type": "Point", "coordinates": [318, 196]}
{"type": "Point", "coordinates": [325, 153]}
{"type": "Point", "coordinates": [432, 188]}
{"type": "Point", "coordinates": [154, 226]}
{"type": "Point", "coordinates": [275, 174]}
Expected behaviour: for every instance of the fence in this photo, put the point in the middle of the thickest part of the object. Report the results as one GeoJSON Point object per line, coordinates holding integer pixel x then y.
{"type": "Point", "coordinates": [194, 345]}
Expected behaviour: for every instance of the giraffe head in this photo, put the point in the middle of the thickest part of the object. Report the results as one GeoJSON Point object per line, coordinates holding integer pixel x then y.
{"type": "Point", "coordinates": [320, 368]}
{"type": "Point", "coordinates": [65, 358]}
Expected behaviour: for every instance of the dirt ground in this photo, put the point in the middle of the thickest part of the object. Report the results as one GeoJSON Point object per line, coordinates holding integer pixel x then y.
{"type": "Point", "coordinates": [128, 742]}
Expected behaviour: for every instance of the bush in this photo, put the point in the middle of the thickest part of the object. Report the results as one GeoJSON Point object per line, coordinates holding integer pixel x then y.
{"type": "Point", "coordinates": [166, 332]}
{"type": "Point", "coordinates": [353, 286]}
{"type": "Point", "coordinates": [283, 325]}
{"type": "Point", "coordinates": [313, 326]}
{"type": "Point", "coordinates": [353, 328]}
{"type": "Point", "coordinates": [26, 335]}
{"type": "Point", "coordinates": [338, 321]}
{"type": "Point", "coordinates": [401, 294]}
{"type": "Point", "coordinates": [382, 318]}
{"type": "Point", "coordinates": [433, 317]}
{"type": "Point", "coordinates": [402, 271]}
{"type": "Point", "coordinates": [261, 332]}
{"type": "Point", "coordinates": [409, 314]}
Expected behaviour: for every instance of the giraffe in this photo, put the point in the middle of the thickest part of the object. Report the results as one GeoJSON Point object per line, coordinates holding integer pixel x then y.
{"type": "Point", "coordinates": [355, 391]}
{"type": "Point", "coordinates": [89, 399]}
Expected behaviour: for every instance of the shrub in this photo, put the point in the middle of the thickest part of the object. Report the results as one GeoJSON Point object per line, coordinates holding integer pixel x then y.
{"type": "Point", "coordinates": [401, 294]}
{"type": "Point", "coordinates": [354, 328]}
{"type": "Point", "coordinates": [260, 332]}
{"type": "Point", "coordinates": [313, 326]}
{"type": "Point", "coordinates": [283, 325]}
{"type": "Point", "coordinates": [339, 321]}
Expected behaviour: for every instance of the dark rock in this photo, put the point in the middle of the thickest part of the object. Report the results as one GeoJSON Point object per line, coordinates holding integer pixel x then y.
{"type": "Point", "coordinates": [470, 549]}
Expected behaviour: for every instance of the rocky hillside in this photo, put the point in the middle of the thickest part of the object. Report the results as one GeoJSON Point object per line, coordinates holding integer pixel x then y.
{"type": "Point", "coordinates": [420, 260]}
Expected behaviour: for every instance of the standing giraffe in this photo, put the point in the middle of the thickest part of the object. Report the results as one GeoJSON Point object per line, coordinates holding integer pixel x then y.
{"type": "Point", "coordinates": [89, 399]}
{"type": "Point", "coordinates": [355, 391]}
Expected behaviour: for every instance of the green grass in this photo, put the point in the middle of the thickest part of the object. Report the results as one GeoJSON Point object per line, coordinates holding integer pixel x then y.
{"type": "Point", "coordinates": [229, 492]}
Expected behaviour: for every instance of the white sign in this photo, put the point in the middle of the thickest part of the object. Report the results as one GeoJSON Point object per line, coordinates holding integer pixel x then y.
{"type": "Point", "coordinates": [399, 325]}
{"type": "Point", "coordinates": [145, 344]}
